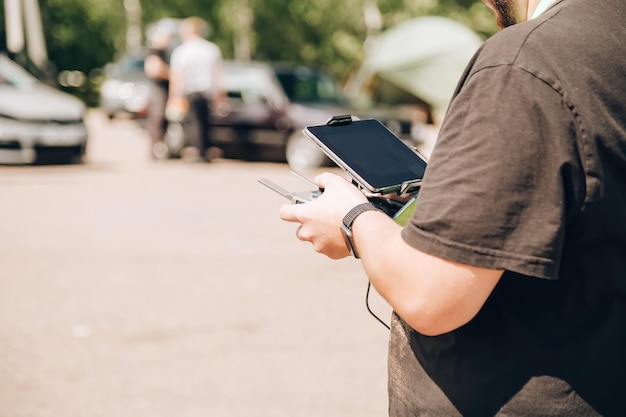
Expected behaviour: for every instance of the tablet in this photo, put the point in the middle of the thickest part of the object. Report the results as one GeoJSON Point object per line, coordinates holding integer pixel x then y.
{"type": "Point", "coordinates": [379, 161]}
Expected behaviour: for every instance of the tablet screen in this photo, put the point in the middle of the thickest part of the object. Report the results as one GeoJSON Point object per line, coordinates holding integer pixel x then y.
{"type": "Point", "coordinates": [372, 151]}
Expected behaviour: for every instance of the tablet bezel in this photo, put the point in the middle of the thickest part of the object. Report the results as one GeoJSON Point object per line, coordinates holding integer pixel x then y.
{"type": "Point", "coordinates": [318, 133]}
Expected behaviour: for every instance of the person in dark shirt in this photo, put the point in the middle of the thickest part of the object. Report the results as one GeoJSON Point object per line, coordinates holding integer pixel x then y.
{"type": "Point", "coordinates": [508, 283]}
{"type": "Point", "coordinates": [156, 67]}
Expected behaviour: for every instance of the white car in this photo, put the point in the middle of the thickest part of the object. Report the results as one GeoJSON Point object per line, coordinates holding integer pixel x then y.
{"type": "Point", "coordinates": [38, 123]}
{"type": "Point", "coordinates": [125, 89]}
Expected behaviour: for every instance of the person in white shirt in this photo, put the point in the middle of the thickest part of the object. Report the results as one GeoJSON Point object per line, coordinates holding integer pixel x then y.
{"type": "Point", "coordinates": [195, 78]}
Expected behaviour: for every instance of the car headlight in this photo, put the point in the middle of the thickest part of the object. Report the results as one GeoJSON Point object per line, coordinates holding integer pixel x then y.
{"type": "Point", "coordinates": [109, 88]}
{"type": "Point", "coordinates": [126, 91]}
{"type": "Point", "coordinates": [135, 96]}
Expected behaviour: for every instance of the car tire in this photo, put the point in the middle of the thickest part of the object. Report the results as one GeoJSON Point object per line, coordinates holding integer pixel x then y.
{"type": "Point", "coordinates": [53, 156]}
{"type": "Point", "coordinates": [302, 153]}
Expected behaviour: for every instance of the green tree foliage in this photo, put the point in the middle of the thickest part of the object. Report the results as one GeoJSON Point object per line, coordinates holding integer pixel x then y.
{"type": "Point", "coordinates": [326, 33]}
{"type": "Point", "coordinates": [86, 34]}
{"type": "Point", "coordinates": [82, 34]}
{"type": "Point", "coordinates": [472, 13]}
{"type": "Point", "coordinates": [331, 34]}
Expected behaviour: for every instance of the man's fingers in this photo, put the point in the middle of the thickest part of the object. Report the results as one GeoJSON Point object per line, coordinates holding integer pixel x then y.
{"type": "Point", "coordinates": [324, 178]}
{"type": "Point", "coordinates": [289, 212]}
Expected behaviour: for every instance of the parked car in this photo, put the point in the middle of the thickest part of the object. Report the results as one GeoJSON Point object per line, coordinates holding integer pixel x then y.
{"type": "Point", "coordinates": [268, 106]}
{"type": "Point", "coordinates": [37, 122]}
{"type": "Point", "coordinates": [125, 89]}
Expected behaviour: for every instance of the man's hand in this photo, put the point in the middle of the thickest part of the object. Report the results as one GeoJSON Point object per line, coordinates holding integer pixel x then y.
{"type": "Point", "coordinates": [176, 109]}
{"type": "Point", "coordinates": [433, 295]}
{"type": "Point", "coordinates": [320, 220]}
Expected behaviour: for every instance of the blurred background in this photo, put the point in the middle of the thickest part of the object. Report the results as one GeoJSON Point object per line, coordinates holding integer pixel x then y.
{"type": "Point", "coordinates": [139, 286]}
{"type": "Point", "coordinates": [86, 35]}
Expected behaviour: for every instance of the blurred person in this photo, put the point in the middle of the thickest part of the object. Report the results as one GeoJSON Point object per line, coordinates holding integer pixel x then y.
{"type": "Point", "coordinates": [508, 284]}
{"type": "Point", "coordinates": [156, 67]}
{"type": "Point", "coordinates": [195, 82]}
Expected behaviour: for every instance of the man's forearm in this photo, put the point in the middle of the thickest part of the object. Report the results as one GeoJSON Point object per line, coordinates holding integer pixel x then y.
{"type": "Point", "coordinates": [175, 88]}
{"type": "Point", "coordinates": [431, 294]}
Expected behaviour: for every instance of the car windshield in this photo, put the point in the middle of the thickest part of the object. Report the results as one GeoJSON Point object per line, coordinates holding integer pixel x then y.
{"type": "Point", "coordinates": [13, 75]}
{"type": "Point", "coordinates": [245, 78]}
{"type": "Point", "coordinates": [306, 86]}
{"type": "Point", "coordinates": [129, 64]}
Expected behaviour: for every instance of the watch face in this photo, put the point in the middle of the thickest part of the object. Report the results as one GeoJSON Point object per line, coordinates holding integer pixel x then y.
{"type": "Point", "coordinates": [347, 237]}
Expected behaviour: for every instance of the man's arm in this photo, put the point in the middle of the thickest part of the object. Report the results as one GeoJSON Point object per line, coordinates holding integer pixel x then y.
{"type": "Point", "coordinates": [218, 71]}
{"type": "Point", "coordinates": [176, 84]}
{"type": "Point", "coordinates": [176, 106]}
{"type": "Point", "coordinates": [433, 295]}
{"type": "Point", "coordinates": [155, 68]}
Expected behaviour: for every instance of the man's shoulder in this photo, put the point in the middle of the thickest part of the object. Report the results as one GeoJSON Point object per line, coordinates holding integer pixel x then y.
{"type": "Point", "coordinates": [553, 43]}
{"type": "Point", "coordinates": [543, 42]}
{"type": "Point", "coordinates": [200, 44]}
{"type": "Point", "coordinates": [509, 44]}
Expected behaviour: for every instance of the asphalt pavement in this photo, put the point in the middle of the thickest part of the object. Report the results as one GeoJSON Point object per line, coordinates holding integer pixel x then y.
{"type": "Point", "coordinates": [136, 288]}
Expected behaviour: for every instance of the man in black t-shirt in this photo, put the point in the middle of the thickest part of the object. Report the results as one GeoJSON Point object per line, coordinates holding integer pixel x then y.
{"type": "Point", "coordinates": [156, 67]}
{"type": "Point", "coordinates": [508, 283]}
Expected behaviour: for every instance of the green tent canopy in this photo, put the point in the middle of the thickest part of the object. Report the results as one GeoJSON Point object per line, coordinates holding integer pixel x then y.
{"type": "Point", "coordinates": [424, 57]}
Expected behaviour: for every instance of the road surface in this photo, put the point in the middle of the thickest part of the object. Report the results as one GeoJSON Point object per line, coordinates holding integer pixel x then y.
{"type": "Point", "coordinates": [134, 288]}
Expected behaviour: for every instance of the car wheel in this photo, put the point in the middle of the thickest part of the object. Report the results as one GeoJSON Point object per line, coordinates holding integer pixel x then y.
{"type": "Point", "coordinates": [302, 153]}
{"type": "Point", "coordinates": [60, 155]}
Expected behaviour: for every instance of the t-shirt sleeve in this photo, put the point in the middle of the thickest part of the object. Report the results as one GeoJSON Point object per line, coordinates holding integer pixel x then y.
{"type": "Point", "coordinates": [495, 192]}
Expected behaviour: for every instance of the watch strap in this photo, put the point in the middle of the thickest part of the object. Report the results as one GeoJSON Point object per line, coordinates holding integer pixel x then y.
{"type": "Point", "coordinates": [348, 220]}
{"type": "Point", "coordinates": [355, 211]}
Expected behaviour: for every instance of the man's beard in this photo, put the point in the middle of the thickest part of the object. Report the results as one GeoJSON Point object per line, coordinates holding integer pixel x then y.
{"type": "Point", "coordinates": [505, 12]}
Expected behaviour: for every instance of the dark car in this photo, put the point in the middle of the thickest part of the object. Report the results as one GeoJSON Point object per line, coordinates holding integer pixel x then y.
{"type": "Point", "coordinates": [268, 106]}
{"type": "Point", "coordinates": [37, 122]}
{"type": "Point", "coordinates": [125, 89]}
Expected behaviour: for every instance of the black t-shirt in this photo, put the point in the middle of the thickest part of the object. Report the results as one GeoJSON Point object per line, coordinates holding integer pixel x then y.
{"type": "Point", "coordinates": [163, 55]}
{"type": "Point", "coordinates": [529, 176]}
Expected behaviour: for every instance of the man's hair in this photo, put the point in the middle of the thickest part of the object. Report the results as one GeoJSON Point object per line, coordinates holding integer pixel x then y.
{"type": "Point", "coordinates": [196, 26]}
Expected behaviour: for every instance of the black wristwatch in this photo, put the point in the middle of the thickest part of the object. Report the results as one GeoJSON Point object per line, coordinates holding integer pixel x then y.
{"type": "Point", "coordinates": [346, 225]}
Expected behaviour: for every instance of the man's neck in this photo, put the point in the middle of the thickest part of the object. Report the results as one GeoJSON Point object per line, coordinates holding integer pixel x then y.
{"type": "Point", "coordinates": [536, 7]}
